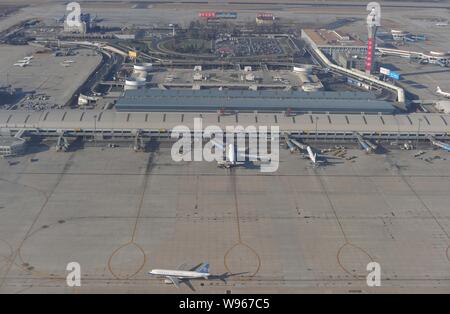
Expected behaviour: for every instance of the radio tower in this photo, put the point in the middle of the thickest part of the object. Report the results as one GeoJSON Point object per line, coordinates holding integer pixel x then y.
{"type": "Point", "coordinates": [373, 22]}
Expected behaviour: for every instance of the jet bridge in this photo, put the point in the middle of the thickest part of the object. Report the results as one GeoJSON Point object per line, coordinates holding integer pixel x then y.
{"type": "Point", "coordinates": [62, 144]}
{"type": "Point", "coordinates": [439, 144]}
{"type": "Point", "coordinates": [139, 145]}
{"type": "Point", "coordinates": [367, 145]}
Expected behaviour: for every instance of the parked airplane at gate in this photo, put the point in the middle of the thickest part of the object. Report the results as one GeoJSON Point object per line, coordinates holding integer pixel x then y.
{"type": "Point", "coordinates": [22, 63]}
{"type": "Point", "coordinates": [442, 24]}
{"type": "Point", "coordinates": [234, 157]}
{"type": "Point", "coordinates": [315, 158]}
{"type": "Point", "coordinates": [306, 151]}
{"type": "Point", "coordinates": [367, 145]}
{"type": "Point", "coordinates": [440, 92]}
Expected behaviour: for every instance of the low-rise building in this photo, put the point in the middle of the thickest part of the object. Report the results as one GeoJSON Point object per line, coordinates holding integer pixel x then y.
{"type": "Point", "coordinates": [151, 100]}
{"type": "Point", "coordinates": [265, 19]}
{"type": "Point", "coordinates": [349, 61]}
{"type": "Point", "coordinates": [330, 41]}
{"type": "Point", "coordinates": [11, 146]}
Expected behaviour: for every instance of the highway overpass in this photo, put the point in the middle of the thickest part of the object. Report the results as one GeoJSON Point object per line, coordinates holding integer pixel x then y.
{"type": "Point", "coordinates": [369, 79]}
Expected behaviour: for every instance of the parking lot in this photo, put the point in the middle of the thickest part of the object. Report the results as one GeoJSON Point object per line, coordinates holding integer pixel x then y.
{"type": "Point", "coordinates": [248, 46]}
{"type": "Point", "coordinates": [48, 81]}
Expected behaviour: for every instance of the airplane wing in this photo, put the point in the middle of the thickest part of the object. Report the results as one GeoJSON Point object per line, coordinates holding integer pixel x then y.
{"type": "Point", "coordinates": [175, 281]}
{"type": "Point", "coordinates": [196, 267]}
{"type": "Point", "coordinates": [255, 157]}
{"type": "Point", "coordinates": [189, 284]}
{"type": "Point", "coordinates": [182, 267]}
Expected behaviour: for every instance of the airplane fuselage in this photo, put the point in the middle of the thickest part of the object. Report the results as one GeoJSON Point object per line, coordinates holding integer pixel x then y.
{"type": "Point", "coordinates": [442, 93]}
{"type": "Point", "coordinates": [231, 154]}
{"type": "Point", "coordinates": [230, 158]}
{"type": "Point", "coordinates": [311, 155]}
{"type": "Point", "coordinates": [181, 274]}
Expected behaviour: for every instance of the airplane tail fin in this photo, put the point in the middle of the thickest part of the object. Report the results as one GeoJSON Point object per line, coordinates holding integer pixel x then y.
{"type": "Point", "coordinates": [438, 89]}
{"type": "Point", "coordinates": [204, 268]}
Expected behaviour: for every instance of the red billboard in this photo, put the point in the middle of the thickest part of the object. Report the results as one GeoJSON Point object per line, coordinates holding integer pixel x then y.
{"type": "Point", "coordinates": [207, 14]}
{"type": "Point", "coordinates": [370, 55]}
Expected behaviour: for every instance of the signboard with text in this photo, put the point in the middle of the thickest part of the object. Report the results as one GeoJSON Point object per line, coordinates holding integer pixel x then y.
{"type": "Point", "coordinates": [394, 75]}
{"type": "Point", "coordinates": [385, 71]}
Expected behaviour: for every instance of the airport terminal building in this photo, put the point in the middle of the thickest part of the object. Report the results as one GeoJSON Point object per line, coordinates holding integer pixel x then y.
{"type": "Point", "coordinates": [330, 41]}
{"type": "Point", "coordinates": [148, 100]}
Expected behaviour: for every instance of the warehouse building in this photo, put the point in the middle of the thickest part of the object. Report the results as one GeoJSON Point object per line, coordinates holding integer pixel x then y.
{"type": "Point", "coordinates": [147, 100]}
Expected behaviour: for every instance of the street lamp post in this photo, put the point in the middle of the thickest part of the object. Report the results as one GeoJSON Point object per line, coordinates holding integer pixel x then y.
{"type": "Point", "coordinates": [317, 119]}
{"type": "Point", "coordinates": [95, 130]}
{"type": "Point", "coordinates": [418, 132]}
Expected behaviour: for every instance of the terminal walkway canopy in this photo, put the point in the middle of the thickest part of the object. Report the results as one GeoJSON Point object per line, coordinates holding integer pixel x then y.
{"type": "Point", "coordinates": [109, 121]}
